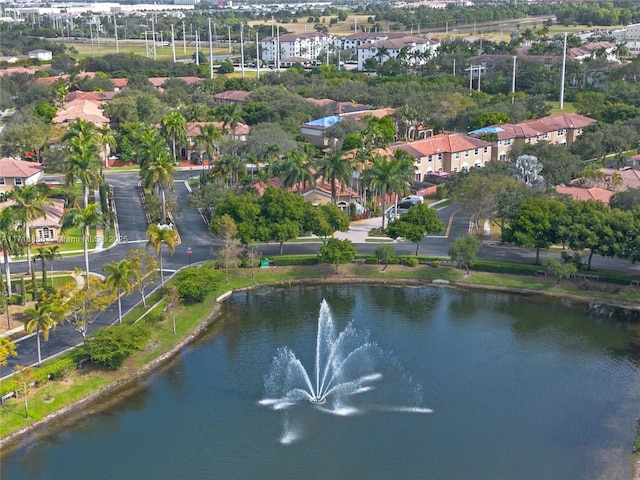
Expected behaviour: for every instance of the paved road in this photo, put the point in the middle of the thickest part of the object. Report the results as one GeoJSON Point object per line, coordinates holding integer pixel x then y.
{"type": "Point", "coordinates": [196, 236]}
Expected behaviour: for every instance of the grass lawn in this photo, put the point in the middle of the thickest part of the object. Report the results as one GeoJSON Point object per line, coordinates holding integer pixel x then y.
{"type": "Point", "coordinates": [555, 107]}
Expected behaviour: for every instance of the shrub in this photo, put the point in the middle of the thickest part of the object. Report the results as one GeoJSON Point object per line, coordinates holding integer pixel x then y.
{"type": "Point", "coordinates": [60, 369]}
{"type": "Point", "coordinates": [291, 260]}
{"type": "Point", "coordinates": [435, 263]}
{"type": "Point", "coordinates": [195, 283]}
{"type": "Point", "coordinates": [111, 346]}
{"type": "Point", "coordinates": [409, 261]}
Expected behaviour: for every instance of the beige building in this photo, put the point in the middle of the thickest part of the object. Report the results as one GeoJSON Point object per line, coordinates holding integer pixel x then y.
{"type": "Point", "coordinates": [44, 229]}
{"type": "Point", "coordinates": [559, 129]}
{"type": "Point", "coordinates": [449, 153]}
{"type": "Point", "coordinates": [17, 173]}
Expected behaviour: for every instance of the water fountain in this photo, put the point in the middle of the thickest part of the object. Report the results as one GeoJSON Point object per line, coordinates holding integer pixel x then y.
{"type": "Point", "coordinates": [348, 365]}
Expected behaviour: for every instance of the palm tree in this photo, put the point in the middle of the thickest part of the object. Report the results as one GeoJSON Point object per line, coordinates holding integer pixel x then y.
{"type": "Point", "coordinates": [11, 241]}
{"type": "Point", "coordinates": [39, 319]}
{"type": "Point", "coordinates": [84, 219]}
{"type": "Point", "coordinates": [209, 139]}
{"type": "Point", "coordinates": [382, 52]}
{"type": "Point", "coordinates": [149, 145]}
{"type": "Point", "coordinates": [174, 126]}
{"type": "Point", "coordinates": [47, 254]}
{"type": "Point", "coordinates": [296, 171]}
{"type": "Point", "coordinates": [161, 235]}
{"type": "Point", "coordinates": [83, 161]}
{"type": "Point", "coordinates": [121, 278]}
{"type": "Point", "coordinates": [336, 170]}
{"type": "Point", "coordinates": [30, 201]}
{"type": "Point", "coordinates": [230, 115]}
{"type": "Point", "coordinates": [228, 168]}
{"type": "Point", "coordinates": [108, 142]}
{"type": "Point", "coordinates": [157, 175]}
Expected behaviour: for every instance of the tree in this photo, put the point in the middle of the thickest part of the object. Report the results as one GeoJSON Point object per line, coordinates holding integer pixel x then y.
{"type": "Point", "coordinates": [385, 254]}
{"type": "Point", "coordinates": [25, 377]}
{"type": "Point", "coordinates": [85, 219]}
{"type": "Point", "coordinates": [553, 266]}
{"type": "Point", "coordinates": [121, 279]}
{"type": "Point", "coordinates": [85, 304]}
{"type": "Point", "coordinates": [173, 301]}
{"type": "Point", "coordinates": [209, 139]}
{"type": "Point", "coordinates": [229, 252]}
{"type": "Point", "coordinates": [337, 252]}
{"type": "Point", "coordinates": [230, 115]}
{"type": "Point", "coordinates": [39, 319]}
{"type": "Point", "coordinates": [30, 201]}
{"type": "Point", "coordinates": [464, 251]}
{"type": "Point", "coordinates": [336, 170]}
{"type": "Point", "coordinates": [416, 224]}
{"type": "Point", "coordinates": [158, 236]}
{"type": "Point", "coordinates": [47, 254]}
{"type": "Point", "coordinates": [296, 171]}
{"type": "Point", "coordinates": [281, 216]}
{"type": "Point", "coordinates": [12, 242]}
{"type": "Point", "coordinates": [174, 127]}
{"type": "Point", "coordinates": [83, 161]}
{"type": "Point", "coordinates": [324, 220]}
{"type": "Point", "coordinates": [108, 141]}
{"type": "Point", "coordinates": [536, 224]}
{"type": "Point", "coordinates": [157, 175]}
{"type": "Point", "coordinates": [145, 267]}
{"type": "Point", "coordinates": [7, 349]}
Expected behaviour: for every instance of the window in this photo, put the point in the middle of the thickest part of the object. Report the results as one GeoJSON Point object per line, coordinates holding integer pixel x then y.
{"type": "Point", "coordinates": [17, 182]}
{"type": "Point", "coordinates": [561, 132]}
{"type": "Point", "coordinates": [507, 142]}
{"type": "Point", "coordinates": [457, 155]}
{"type": "Point", "coordinates": [2, 182]}
{"type": "Point", "coordinates": [430, 158]}
{"type": "Point", "coordinates": [466, 153]}
{"type": "Point", "coordinates": [486, 149]}
{"type": "Point", "coordinates": [503, 157]}
{"type": "Point", "coordinates": [455, 169]}
{"type": "Point", "coordinates": [545, 136]}
{"type": "Point", "coordinates": [418, 177]}
{"type": "Point", "coordinates": [440, 157]}
{"type": "Point", "coordinates": [418, 161]}
{"type": "Point", "coordinates": [475, 152]}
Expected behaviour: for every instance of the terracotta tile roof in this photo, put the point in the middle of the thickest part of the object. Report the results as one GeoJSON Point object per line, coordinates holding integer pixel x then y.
{"type": "Point", "coordinates": [95, 97]}
{"type": "Point", "coordinates": [193, 128]}
{"type": "Point", "coordinates": [442, 143]}
{"type": "Point", "coordinates": [10, 71]}
{"type": "Point", "coordinates": [378, 113]}
{"type": "Point", "coordinates": [160, 81]}
{"type": "Point", "coordinates": [84, 109]}
{"type": "Point", "coordinates": [119, 82]}
{"type": "Point", "coordinates": [578, 193]}
{"type": "Point", "coordinates": [630, 177]}
{"type": "Point", "coordinates": [533, 128]}
{"type": "Point", "coordinates": [336, 107]}
{"type": "Point", "coordinates": [397, 43]}
{"type": "Point", "coordinates": [233, 95]}
{"type": "Point", "coordinates": [11, 168]}
{"type": "Point", "coordinates": [52, 213]}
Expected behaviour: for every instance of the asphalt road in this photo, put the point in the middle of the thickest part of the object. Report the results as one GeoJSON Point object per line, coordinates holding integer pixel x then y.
{"type": "Point", "coordinates": [195, 235]}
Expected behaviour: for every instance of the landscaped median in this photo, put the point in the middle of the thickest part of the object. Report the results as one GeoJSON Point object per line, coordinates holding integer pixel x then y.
{"type": "Point", "coordinates": [60, 398]}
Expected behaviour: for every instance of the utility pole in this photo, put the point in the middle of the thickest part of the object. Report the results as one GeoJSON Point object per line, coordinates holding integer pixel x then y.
{"type": "Point", "coordinates": [184, 38]}
{"type": "Point", "coordinates": [564, 65]}
{"type": "Point", "coordinates": [173, 44]}
{"type": "Point", "coordinates": [257, 57]}
{"type": "Point", "coordinates": [229, 34]}
{"type": "Point", "coordinates": [115, 29]}
{"type": "Point", "coordinates": [242, 48]}
{"type": "Point", "coordinates": [197, 50]}
{"type": "Point", "coordinates": [513, 81]}
{"type": "Point", "coordinates": [210, 52]}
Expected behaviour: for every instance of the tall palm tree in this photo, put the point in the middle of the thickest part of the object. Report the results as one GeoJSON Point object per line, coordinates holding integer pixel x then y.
{"type": "Point", "coordinates": [83, 161]}
{"type": "Point", "coordinates": [107, 139]}
{"type": "Point", "coordinates": [84, 219]}
{"type": "Point", "coordinates": [382, 52]}
{"type": "Point", "coordinates": [296, 171]}
{"type": "Point", "coordinates": [121, 278]}
{"type": "Point", "coordinates": [335, 169]}
{"type": "Point", "coordinates": [39, 319]}
{"type": "Point", "coordinates": [160, 235]}
{"type": "Point", "coordinates": [149, 145]}
{"type": "Point", "coordinates": [47, 254]}
{"type": "Point", "coordinates": [30, 201]}
{"type": "Point", "coordinates": [12, 242]}
{"type": "Point", "coordinates": [209, 139]}
{"type": "Point", "coordinates": [230, 115]}
{"type": "Point", "coordinates": [157, 175]}
{"type": "Point", "coordinates": [173, 126]}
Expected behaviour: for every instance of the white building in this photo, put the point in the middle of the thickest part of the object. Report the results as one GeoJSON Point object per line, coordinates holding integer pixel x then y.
{"type": "Point", "coordinates": [630, 35]}
{"type": "Point", "coordinates": [301, 45]}
{"type": "Point", "coordinates": [416, 50]}
{"type": "Point", "coordinates": [42, 55]}
{"type": "Point", "coordinates": [353, 41]}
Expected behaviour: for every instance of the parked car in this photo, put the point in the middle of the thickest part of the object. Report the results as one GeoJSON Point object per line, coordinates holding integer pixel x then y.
{"type": "Point", "coordinates": [196, 158]}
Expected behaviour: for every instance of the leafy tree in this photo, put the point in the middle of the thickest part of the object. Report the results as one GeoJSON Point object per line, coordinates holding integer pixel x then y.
{"type": "Point", "coordinates": [145, 268]}
{"type": "Point", "coordinates": [47, 254]}
{"type": "Point", "coordinates": [174, 127]}
{"type": "Point", "coordinates": [110, 346]}
{"type": "Point", "coordinates": [488, 119]}
{"type": "Point", "coordinates": [282, 216]}
{"type": "Point", "coordinates": [173, 302]}
{"type": "Point", "coordinates": [414, 225]}
{"type": "Point", "coordinates": [560, 165]}
{"type": "Point", "coordinates": [91, 216]}
{"type": "Point", "coordinates": [25, 377]}
{"type": "Point", "coordinates": [120, 279]}
{"type": "Point", "coordinates": [196, 283]}
{"type": "Point", "coordinates": [209, 139]}
{"type": "Point", "coordinates": [296, 171]}
{"type": "Point", "coordinates": [626, 200]}
{"type": "Point", "coordinates": [45, 112]}
{"type": "Point", "coordinates": [39, 319]}
{"type": "Point", "coordinates": [229, 252]}
{"type": "Point", "coordinates": [12, 242]}
{"type": "Point", "coordinates": [464, 251]}
{"type": "Point", "coordinates": [230, 115]}
{"type": "Point", "coordinates": [553, 266]}
{"type": "Point", "coordinates": [385, 254]}
{"type": "Point", "coordinates": [379, 131]}
{"type": "Point", "coordinates": [25, 134]}
{"type": "Point", "coordinates": [324, 220]}
{"type": "Point", "coordinates": [85, 304]}
{"type": "Point", "coordinates": [159, 236]}
{"type": "Point", "coordinates": [536, 225]}
{"type": "Point", "coordinates": [7, 349]}
{"type": "Point", "coordinates": [337, 252]}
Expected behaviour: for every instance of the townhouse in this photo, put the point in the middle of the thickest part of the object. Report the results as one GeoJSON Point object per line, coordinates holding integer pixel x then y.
{"type": "Point", "coordinates": [308, 45]}
{"type": "Point", "coordinates": [410, 48]}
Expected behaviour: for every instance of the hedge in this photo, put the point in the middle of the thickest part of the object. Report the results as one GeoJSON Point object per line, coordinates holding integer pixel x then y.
{"type": "Point", "coordinates": [505, 267]}
{"type": "Point", "coordinates": [52, 371]}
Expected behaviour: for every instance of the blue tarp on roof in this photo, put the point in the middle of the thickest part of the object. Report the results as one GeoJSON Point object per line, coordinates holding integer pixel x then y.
{"type": "Point", "coordinates": [325, 122]}
{"type": "Point", "coordinates": [487, 130]}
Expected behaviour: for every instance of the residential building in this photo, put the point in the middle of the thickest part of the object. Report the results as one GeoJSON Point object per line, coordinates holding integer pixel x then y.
{"type": "Point", "coordinates": [302, 45]}
{"type": "Point", "coordinates": [231, 96]}
{"type": "Point", "coordinates": [44, 229]}
{"type": "Point", "coordinates": [630, 35]}
{"type": "Point", "coordinates": [353, 41]}
{"type": "Point", "coordinates": [605, 50]}
{"type": "Point", "coordinates": [448, 153]}
{"type": "Point", "coordinates": [412, 49]}
{"type": "Point", "coordinates": [17, 173]}
{"type": "Point", "coordinates": [560, 129]}
{"type": "Point", "coordinates": [87, 110]}
{"type": "Point", "coordinates": [193, 131]}
{"type": "Point", "coordinates": [42, 55]}
{"type": "Point", "coordinates": [583, 194]}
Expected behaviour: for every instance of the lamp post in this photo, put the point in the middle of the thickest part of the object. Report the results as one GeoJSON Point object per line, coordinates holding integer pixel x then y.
{"type": "Point", "coordinates": [189, 252]}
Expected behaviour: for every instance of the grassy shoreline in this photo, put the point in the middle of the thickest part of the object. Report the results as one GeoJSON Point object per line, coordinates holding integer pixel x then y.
{"type": "Point", "coordinates": [56, 404]}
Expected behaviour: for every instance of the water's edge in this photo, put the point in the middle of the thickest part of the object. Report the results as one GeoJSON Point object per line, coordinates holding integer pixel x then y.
{"type": "Point", "coordinates": [125, 386]}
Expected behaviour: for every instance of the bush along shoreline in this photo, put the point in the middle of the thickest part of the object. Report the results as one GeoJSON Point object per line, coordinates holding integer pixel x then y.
{"type": "Point", "coordinates": [59, 393]}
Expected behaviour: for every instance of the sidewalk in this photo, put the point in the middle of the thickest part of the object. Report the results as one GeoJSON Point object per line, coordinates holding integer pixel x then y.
{"type": "Point", "coordinates": [359, 230]}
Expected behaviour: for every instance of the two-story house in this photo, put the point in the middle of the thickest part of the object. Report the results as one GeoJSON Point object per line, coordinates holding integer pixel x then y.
{"type": "Point", "coordinates": [449, 153]}
{"type": "Point", "coordinates": [17, 173]}
{"type": "Point", "coordinates": [560, 129]}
